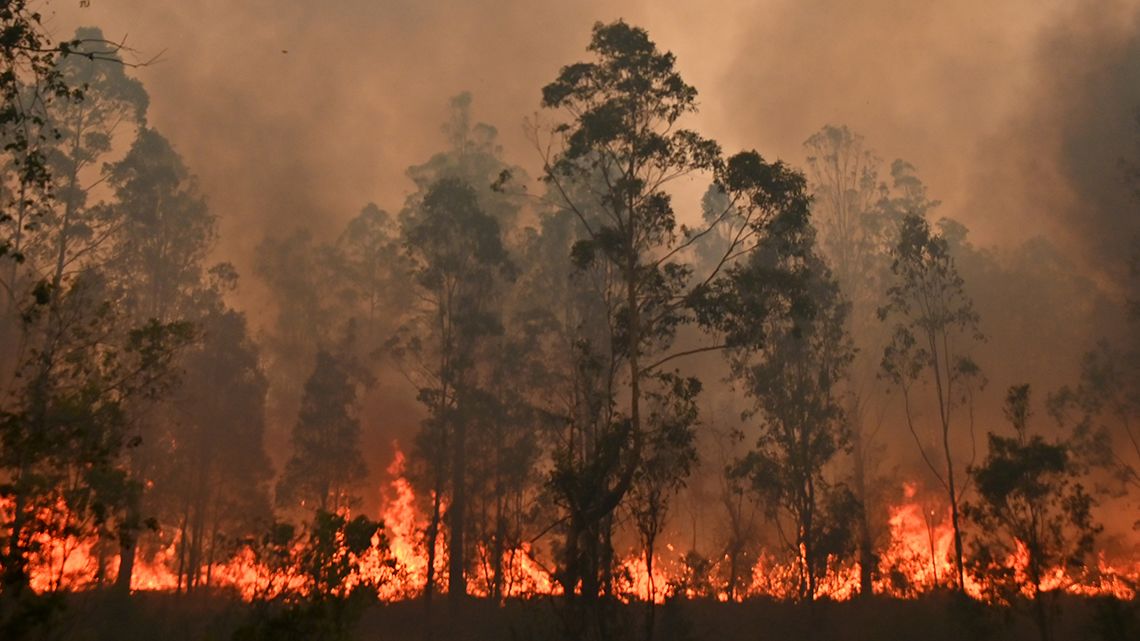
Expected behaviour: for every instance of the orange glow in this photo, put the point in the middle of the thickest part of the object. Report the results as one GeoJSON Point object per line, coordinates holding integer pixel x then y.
{"type": "Point", "coordinates": [916, 560]}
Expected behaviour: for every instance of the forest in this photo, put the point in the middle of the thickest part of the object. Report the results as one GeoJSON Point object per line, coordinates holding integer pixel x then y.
{"type": "Point", "coordinates": [608, 377]}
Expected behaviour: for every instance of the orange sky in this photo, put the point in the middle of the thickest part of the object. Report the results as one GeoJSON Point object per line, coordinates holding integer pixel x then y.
{"type": "Point", "coordinates": [970, 92]}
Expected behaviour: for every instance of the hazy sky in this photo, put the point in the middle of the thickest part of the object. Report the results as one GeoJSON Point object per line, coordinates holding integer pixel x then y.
{"type": "Point", "coordinates": [1016, 113]}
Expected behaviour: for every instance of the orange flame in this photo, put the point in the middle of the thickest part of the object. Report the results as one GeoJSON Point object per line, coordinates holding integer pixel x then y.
{"type": "Point", "coordinates": [916, 560]}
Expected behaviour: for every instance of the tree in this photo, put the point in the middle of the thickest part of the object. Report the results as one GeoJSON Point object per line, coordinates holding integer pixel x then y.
{"type": "Point", "coordinates": [669, 457]}
{"type": "Point", "coordinates": [1030, 498]}
{"type": "Point", "coordinates": [740, 517]}
{"type": "Point", "coordinates": [210, 470]}
{"type": "Point", "coordinates": [473, 156]}
{"type": "Point", "coordinates": [855, 235]}
{"type": "Point", "coordinates": [609, 164]}
{"type": "Point", "coordinates": [295, 268]}
{"type": "Point", "coordinates": [65, 432]}
{"type": "Point", "coordinates": [87, 130]}
{"type": "Point", "coordinates": [326, 464]}
{"type": "Point", "coordinates": [794, 380]}
{"type": "Point", "coordinates": [338, 564]}
{"type": "Point", "coordinates": [31, 81]}
{"type": "Point", "coordinates": [164, 228]}
{"type": "Point", "coordinates": [457, 257]}
{"type": "Point", "coordinates": [505, 471]}
{"type": "Point", "coordinates": [84, 365]}
{"type": "Point", "coordinates": [934, 323]}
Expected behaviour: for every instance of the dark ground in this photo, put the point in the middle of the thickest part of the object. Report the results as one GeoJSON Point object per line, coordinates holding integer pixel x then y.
{"type": "Point", "coordinates": [208, 617]}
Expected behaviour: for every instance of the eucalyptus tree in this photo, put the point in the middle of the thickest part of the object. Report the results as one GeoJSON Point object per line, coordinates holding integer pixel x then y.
{"type": "Point", "coordinates": [928, 358]}
{"type": "Point", "coordinates": [505, 457]}
{"type": "Point", "coordinates": [457, 233]}
{"type": "Point", "coordinates": [457, 258]}
{"type": "Point", "coordinates": [113, 105]}
{"type": "Point", "coordinates": [31, 82]}
{"type": "Point", "coordinates": [85, 365]}
{"type": "Point", "coordinates": [854, 235]}
{"type": "Point", "coordinates": [294, 266]}
{"type": "Point", "coordinates": [1100, 410]}
{"type": "Point", "coordinates": [367, 276]}
{"type": "Point", "coordinates": [669, 456]}
{"type": "Point", "coordinates": [162, 231]}
{"type": "Point", "coordinates": [795, 380]}
{"type": "Point", "coordinates": [65, 433]}
{"type": "Point", "coordinates": [857, 211]}
{"type": "Point", "coordinates": [164, 228]}
{"type": "Point", "coordinates": [219, 446]}
{"type": "Point", "coordinates": [619, 144]}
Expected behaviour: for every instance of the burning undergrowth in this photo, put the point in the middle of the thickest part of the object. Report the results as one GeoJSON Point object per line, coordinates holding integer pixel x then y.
{"type": "Point", "coordinates": [341, 553]}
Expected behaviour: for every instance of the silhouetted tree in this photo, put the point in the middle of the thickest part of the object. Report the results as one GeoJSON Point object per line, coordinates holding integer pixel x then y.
{"type": "Point", "coordinates": [457, 257]}
{"type": "Point", "coordinates": [210, 467]}
{"type": "Point", "coordinates": [367, 274]}
{"type": "Point", "coordinates": [855, 234]}
{"type": "Point", "coordinates": [85, 364]}
{"type": "Point", "coordinates": [326, 464]}
{"type": "Point", "coordinates": [608, 164]}
{"type": "Point", "coordinates": [668, 459]}
{"type": "Point", "coordinates": [794, 379]}
{"type": "Point", "coordinates": [934, 323]}
{"type": "Point", "coordinates": [1030, 499]}
{"type": "Point", "coordinates": [296, 269]}
{"type": "Point", "coordinates": [1101, 410]}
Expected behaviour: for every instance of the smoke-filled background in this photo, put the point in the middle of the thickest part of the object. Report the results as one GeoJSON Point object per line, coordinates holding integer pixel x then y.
{"type": "Point", "coordinates": [1015, 113]}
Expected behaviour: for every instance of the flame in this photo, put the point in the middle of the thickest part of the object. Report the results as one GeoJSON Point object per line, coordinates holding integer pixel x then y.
{"type": "Point", "coordinates": [917, 558]}
{"type": "Point", "coordinates": [404, 528]}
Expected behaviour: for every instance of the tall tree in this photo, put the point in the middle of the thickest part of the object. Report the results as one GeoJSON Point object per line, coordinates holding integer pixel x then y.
{"type": "Point", "coordinates": [609, 164]}
{"type": "Point", "coordinates": [31, 82]}
{"type": "Point", "coordinates": [1101, 411]}
{"type": "Point", "coordinates": [164, 228]}
{"type": "Point", "coordinates": [162, 233]}
{"type": "Point", "coordinates": [209, 467]}
{"type": "Point", "coordinates": [366, 272]}
{"type": "Point", "coordinates": [794, 380]}
{"type": "Point", "coordinates": [295, 268]}
{"type": "Point", "coordinates": [670, 454]}
{"type": "Point", "coordinates": [457, 257]}
{"type": "Point", "coordinates": [455, 342]}
{"type": "Point", "coordinates": [84, 364]}
{"type": "Point", "coordinates": [855, 235]}
{"type": "Point", "coordinates": [934, 324]}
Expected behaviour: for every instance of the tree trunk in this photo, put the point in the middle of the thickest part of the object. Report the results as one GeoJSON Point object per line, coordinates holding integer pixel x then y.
{"type": "Point", "coordinates": [128, 545]}
{"type": "Point", "coordinates": [457, 516]}
{"type": "Point", "coordinates": [733, 571]}
{"type": "Point", "coordinates": [652, 587]}
{"type": "Point", "coordinates": [959, 565]}
{"type": "Point", "coordinates": [15, 564]}
{"type": "Point", "coordinates": [867, 558]}
{"type": "Point", "coordinates": [498, 549]}
{"type": "Point", "coordinates": [432, 537]}
{"type": "Point", "coordinates": [1040, 615]}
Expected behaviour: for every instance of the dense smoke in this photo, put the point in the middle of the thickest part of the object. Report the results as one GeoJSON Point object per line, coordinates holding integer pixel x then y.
{"type": "Point", "coordinates": [1016, 114]}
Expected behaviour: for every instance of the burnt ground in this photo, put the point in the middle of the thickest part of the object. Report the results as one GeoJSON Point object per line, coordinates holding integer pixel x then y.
{"type": "Point", "coordinates": [208, 617]}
